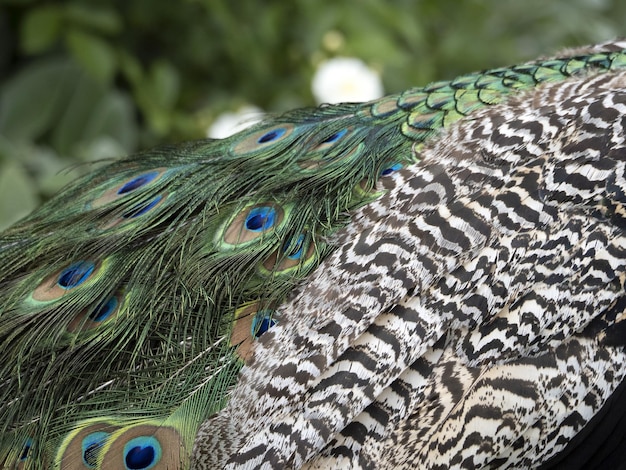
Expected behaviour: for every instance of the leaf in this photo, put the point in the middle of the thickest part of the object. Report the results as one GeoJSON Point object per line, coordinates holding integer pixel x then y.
{"type": "Point", "coordinates": [91, 17]}
{"type": "Point", "coordinates": [131, 68]}
{"type": "Point", "coordinates": [102, 149]}
{"type": "Point", "coordinates": [33, 99]}
{"type": "Point", "coordinates": [93, 53]}
{"type": "Point", "coordinates": [93, 112]}
{"type": "Point", "coordinates": [114, 117]}
{"type": "Point", "coordinates": [46, 169]}
{"type": "Point", "coordinates": [165, 84]}
{"type": "Point", "coordinates": [40, 29]}
{"type": "Point", "coordinates": [17, 195]}
{"type": "Point", "coordinates": [79, 106]}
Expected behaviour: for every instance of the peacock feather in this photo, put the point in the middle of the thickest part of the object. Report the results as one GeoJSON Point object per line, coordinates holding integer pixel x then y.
{"type": "Point", "coordinates": [131, 300]}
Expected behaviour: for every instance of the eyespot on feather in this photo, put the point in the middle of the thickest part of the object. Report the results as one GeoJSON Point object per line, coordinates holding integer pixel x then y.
{"type": "Point", "coordinates": [145, 447]}
{"type": "Point", "coordinates": [142, 208]}
{"type": "Point", "coordinates": [142, 453]}
{"type": "Point", "coordinates": [262, 322]}
{"type": "Point", "coordinates": [263, 138]}
{"type": "Point", "coordinates": [260, 219]}
{"type": "Point", "coordinates": [129, 186]}
{"type": "Point", "coordinates": [137, 182]}
{"type": "Point", "coordinates": [81, 448]}
{"type": "Point", "coordinates": [331, 140]}
{"type": "Point", "coordinates": [26, 450]}
{"type": "Point", "coordinates": [251, 320]}
{"type": "Point", "coordinates": [271, 136]}
{"type": "Point", "coordinates": [91, 446]}
{"type": "Point", "coordinates": [88, 319]}
{"type": "Point", "coordinates": [388, 170]}
{"type": "Point", "coordinates": [135, 211]}
{"type": "Point", "coordinates": [253, 222]}
{"type": "Point", "coordinates": [315, 160]}
{"type": "Point", "coordinates": [74, 276]}
{"type": "Point", "coordinates": [290, 255]}
{"type": "Point", "coordinates": [22, 459]}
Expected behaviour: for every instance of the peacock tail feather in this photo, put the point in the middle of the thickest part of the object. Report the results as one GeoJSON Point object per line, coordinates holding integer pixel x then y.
{"type": "Point", "coordinates": [130, 301]}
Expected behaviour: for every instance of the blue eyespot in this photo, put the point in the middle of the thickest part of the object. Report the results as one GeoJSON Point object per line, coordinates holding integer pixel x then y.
{"type": "Point", "coordinates": [104, 310]}
{"type": "Point", "coordinates": [261, 218]}
{"type": "Point", "coordinates": [272, 135]}
{"type": "Point", "coordinates": [141, 209]}
{"type": "Point", "coordinates": [91, 447]}
{"type": "Point", "coordinates": [391, 169]}
{"type": "Point", "coordinates": [75, 274]}
{"type": "Point", "coordinates": [262, 322]}
{"type": "Point", "coordinates": [26, 450]}
{"type": "Point", "coordinates": [295, 248]}
{"type": "Point", "coordinates": [335, 137]}
{"type": "Point", "coordinates": [137, 182]}
{"type": "Point", "coordinates": [142, 453]}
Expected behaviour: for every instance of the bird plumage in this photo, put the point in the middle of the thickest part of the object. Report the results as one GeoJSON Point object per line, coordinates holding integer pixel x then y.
{"type": "Point", "coordinates": [467, 309]}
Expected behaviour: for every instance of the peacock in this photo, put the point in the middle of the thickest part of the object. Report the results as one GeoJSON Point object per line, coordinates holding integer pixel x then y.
{"type": "Point", "coordinates": [434, 279]}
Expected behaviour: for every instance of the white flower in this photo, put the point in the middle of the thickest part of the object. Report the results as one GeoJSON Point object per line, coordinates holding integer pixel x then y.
{"type": "Point", "coordinates": [230, 123]}
{"type": "Point", "coordinates": [344, 79]}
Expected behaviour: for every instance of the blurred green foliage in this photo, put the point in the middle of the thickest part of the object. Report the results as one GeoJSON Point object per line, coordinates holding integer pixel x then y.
{"type": "Point", "coordinates": [83, 80]}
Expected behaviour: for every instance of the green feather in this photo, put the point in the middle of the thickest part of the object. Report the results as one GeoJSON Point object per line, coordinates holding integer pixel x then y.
{"type": "Point", "coordinates": [129, 301]}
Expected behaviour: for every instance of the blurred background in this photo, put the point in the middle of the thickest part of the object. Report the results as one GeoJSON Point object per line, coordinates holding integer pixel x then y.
{"type": "Point", "coordinates": [86, 80]}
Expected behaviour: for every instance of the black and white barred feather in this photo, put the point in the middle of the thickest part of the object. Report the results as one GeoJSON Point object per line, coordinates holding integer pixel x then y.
{"type": "Point", "coordinates": [434, 279]}
{"type": "Point", "coordinates": [470, 317]}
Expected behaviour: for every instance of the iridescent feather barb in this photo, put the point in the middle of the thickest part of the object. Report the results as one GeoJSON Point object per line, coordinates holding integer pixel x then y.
{"type": "Point", "coordinates": [130, 302]}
